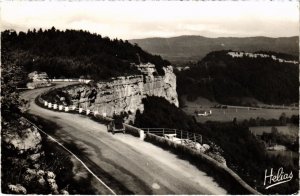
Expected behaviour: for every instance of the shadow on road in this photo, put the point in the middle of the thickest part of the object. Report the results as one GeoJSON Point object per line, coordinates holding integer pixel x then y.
{"type": "Point", "coordinates": [84, 185]}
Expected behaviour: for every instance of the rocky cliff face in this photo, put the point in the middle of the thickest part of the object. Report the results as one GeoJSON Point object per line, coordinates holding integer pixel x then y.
{"type": "Point", "coordinates": [125, 94]}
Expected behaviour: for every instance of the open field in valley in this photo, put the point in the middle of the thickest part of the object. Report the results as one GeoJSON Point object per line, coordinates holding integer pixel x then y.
{"type": "Point", "coordinates": [228, 114]}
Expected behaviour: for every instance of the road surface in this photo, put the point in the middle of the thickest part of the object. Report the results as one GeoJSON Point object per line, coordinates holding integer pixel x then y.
{"type": "Point", "coordinates": [125, 163]}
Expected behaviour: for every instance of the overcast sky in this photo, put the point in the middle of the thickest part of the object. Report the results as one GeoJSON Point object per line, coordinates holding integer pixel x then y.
{"type": "Point", "coordinates": [132, 19]}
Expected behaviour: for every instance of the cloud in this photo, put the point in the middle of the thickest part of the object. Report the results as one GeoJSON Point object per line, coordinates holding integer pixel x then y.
{"type": "Point", "coordinates": [142, 19]}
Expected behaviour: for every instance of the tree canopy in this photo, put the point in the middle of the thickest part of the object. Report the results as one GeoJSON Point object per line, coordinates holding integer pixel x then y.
{"type": "Point", "coordinates": [73, 53]}
{"type": "Point", "coordinates": [228, 80]}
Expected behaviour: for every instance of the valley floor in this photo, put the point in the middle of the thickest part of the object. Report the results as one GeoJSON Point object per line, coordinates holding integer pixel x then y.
{"type": "Point", "coordinates": [225, 115]}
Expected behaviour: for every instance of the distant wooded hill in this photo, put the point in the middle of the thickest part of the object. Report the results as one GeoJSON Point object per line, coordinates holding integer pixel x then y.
{"type": "Point", "coordinates": [193, 48]}
{"type": "Point", "coordinates": [222, 78]}
{"type": "Point", "coordinates": [74, 54]}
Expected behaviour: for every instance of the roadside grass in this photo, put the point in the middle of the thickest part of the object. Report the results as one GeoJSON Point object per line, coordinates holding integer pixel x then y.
{"type": "Point", "coordinates": [223, 115]}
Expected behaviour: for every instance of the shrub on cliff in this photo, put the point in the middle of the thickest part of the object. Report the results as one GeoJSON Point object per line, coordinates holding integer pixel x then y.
{"type": "Point", "coordinates": [160, 113]}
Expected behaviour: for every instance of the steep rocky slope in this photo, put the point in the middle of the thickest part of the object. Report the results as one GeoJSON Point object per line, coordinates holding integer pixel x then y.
{"type": "Point", "coordinates": [123, 94]}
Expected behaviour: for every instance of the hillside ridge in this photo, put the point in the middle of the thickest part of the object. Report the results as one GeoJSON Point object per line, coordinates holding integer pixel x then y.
{"type": "Point", "coordinates": [228, 79]}
{"type": "Point", "coordinates": [193, 47]}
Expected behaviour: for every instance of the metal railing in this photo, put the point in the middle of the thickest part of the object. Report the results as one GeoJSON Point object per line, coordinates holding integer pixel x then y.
{"type": "Point", "coordinates": [187, 138]}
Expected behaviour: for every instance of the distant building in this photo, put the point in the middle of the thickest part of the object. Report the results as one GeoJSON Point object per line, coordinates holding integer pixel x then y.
{"type": "Point", "coordinates": [38, 77]}
{"type": "Point", "coordinates": [179, 68]}
{"type": "Point", "coordinates": [186, 68]}
{"type": "Point", "coordinates": [183, 68]}
{"type": "Point", "coordinates": [146, 69]}
{"type": "Point", "coordinates": [38, 80]}
{"type": "Point", "coordinates": [203, 113]}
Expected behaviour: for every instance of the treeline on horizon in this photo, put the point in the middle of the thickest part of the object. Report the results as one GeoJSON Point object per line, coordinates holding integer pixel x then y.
{"type": "Point", "coordinates": [219, 77]}
{"type": "Point", "coordinates": [77, 53]}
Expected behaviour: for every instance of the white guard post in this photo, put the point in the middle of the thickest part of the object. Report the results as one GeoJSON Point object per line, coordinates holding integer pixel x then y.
{"type": "Point", "coordinates": [142, 135]}
{"type": "Point", "coordinates": [55, 106]}
{"type": "Point", "coordinates": [87, 112]}
{"type": "Point", "coordinates": [49, 105]}
{"type": "Point", "coordinates": [66, 109]}
{"type": "Point", "coordinates": [80, 110]}
{"type": "Point", "coordinates": [96, 112]}
{"type": "Point", "coordinates": [46, 103]}
{"type": "Point", "coordinates": [60, 107]}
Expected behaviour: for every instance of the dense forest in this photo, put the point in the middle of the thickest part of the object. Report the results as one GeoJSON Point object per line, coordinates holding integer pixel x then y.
{"type": "Point", "coordinates": [227, 80]}
{"type": "Point", "coordinates": [74, 54]}
{"type": "Point", "coordinates": [243, 152]}
{"type": "Point", "coordinates": [12, 76]}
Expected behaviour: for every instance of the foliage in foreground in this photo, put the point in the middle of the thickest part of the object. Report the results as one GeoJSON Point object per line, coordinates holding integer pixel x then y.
{"type": "Point", "coordinates": [15, 163]}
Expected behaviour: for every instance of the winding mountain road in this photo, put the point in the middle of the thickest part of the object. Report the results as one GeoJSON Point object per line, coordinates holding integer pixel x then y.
{"type": "Point", "coordinates": [125, 163]}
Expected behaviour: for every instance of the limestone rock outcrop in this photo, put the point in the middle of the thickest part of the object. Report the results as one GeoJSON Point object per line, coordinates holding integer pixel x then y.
{"type": "Point", "coordinates": [125, 94]}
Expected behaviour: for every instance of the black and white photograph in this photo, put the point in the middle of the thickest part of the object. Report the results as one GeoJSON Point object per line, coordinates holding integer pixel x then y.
{"type": "Point", "coordinates": [149, 97]}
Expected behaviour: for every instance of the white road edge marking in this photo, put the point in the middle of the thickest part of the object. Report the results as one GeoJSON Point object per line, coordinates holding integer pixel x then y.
{"type": "Point", "coordinates": [74, 156]}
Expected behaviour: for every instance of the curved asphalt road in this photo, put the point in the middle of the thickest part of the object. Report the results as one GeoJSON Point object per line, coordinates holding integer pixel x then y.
{"type": "Point", "coordinates": [123, 162]}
